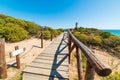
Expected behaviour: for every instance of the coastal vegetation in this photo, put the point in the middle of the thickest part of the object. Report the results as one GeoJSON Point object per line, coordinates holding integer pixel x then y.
{"type": "Point", "coordinates": [96, 38]}
{"type": "Point", "coordinates": [14, 29]}
{"type": "Point", "coordinates": [115, 76]}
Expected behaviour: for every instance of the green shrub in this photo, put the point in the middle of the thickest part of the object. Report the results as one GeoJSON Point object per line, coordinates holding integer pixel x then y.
{"type": "Point", "coordinates": [14, 33]}
{"type": "Point", "coordinates": [33, 29]}
{"type": "Point", "coordinates": [76, 33]}
{"type": "Point", "coordinates": [95, 37]}
{"type": "Point", "coordinates": [30, 27]}
{"type": "Point", "coordinates": [47, 34]}
{"type": "Point", "coordinates": [105, 34]}
{"type": "Point", "coordinates": [95, 40]}
{"type": "Point", "coordinates": [20, 77]}
{"type": "Point", "coordinates": [83, 38]}
{"type": "Point", "coordinates": [84, 60]}
{"type": "Point", "coordinates": [14, 29]}
{"type": "Point", "coordinates": [88, 31]}
{"type": "Point", "coordinates": [55, 33]}
{"type": "Point", "coordinates": [117, 48]}
{"type": "Point", "coordinates": [112, 41]}
{"type": "Point", "coordinates": [115, 76]}
{"type": "Point", "coordinates": [60, 30]}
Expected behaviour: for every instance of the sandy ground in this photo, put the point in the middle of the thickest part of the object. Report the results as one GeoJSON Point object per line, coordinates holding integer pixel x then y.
{"type": "Point", "coordinates": [106, 57]}
{"type": "Point", "coordinates": [109, 59]}
{"type": "Point", "coordinates": [33, 48]}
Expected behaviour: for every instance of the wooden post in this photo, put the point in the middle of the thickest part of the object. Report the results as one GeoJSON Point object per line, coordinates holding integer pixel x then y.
{"type": "Point", "coordinates": [51, 36]}
{"type": "Point", "coordinates": [3, 70]}
{"type": "Point", "coordinates": [17, 58]}
{"type": "Point", "coordinates": [41, 39]}
{"type": "Point", "coordinates": [79, 64]}
{"type": "Point", "coordinates": [90, 72]}
{"type": "Point", "coordinates": [69, 46]}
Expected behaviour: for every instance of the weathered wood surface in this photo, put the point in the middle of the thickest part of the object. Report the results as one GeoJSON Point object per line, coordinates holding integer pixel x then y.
{"type": "Point", "coordinates": [3, 70]}
{"type": "Point", "coordinates": [95, 63]}
{"type": "Point", "coordinates": [51, 64]}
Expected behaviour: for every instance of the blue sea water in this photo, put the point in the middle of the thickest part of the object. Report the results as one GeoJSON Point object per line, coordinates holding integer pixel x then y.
{"type": "Point", "coordinates": [115, 32]}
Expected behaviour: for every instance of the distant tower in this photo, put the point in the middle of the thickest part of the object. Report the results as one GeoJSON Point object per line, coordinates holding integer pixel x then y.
{"type": "Point", "coordinates": [76, 26]}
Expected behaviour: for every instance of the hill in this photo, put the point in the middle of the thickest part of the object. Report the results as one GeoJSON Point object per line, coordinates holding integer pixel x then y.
{"type": "Point", "coordinates": [14, 30]}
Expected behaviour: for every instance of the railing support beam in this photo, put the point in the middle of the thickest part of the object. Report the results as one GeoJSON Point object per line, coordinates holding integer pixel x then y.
{"type": "Point", "coordinates": [79, 64]}
{"type": "Point", "coordinates": [51, 36]}
{"type": "Point", "coordinates": [41, 39]}
{"type": "Point", "coordinates": [69, 46]}
{"type": "Point", "coordinates": [3, 70]}
{"type": "Point", "coordinates": [17, 58]}
{"type": "Point", "coordinates": [90, 72]}
{"type": "Point", "coordinates": [72, 48]}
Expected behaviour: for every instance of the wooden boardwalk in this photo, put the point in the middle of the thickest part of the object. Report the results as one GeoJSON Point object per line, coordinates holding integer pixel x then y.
{"type": "Point", "coordinates": [51, 64]}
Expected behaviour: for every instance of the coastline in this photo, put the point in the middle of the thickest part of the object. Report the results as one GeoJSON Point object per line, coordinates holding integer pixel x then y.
{"type": "Point", "coordinates": [112, 31]}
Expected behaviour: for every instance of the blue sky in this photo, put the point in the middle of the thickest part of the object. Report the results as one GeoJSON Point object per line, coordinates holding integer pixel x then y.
{"type": "Point", "coordinates": [102, 14]}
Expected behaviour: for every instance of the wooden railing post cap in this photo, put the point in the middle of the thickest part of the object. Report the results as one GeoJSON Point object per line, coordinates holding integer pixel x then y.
{"type": "Point", "coordinates": [16, 47]}
{"type": "Point", "coordinates": [104, 72]}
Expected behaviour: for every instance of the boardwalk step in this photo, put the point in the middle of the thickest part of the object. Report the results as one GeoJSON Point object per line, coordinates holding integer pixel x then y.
{"type": "Point", "coordinates": [49, 66]}
{"type": "Point", "coordinates": [52, 55]}
{"type": "Point", "coordinates": [46, 72]}
{"type": "Point", "coordinates": [52, 52]}
{"type": "Point", "coordinates": [28, 76]}
{"type": "Point", "coordinates": [50, 61]}
{"type": "Point", "coordinates": [55, 58]}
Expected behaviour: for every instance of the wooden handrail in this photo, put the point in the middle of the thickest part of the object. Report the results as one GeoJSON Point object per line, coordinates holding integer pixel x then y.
{"type": "Point", "coordinates": [100, 68]}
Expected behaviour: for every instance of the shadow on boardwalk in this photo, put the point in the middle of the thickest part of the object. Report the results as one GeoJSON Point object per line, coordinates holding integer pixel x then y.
{"type": "Point", "coordinates": [62, 46]}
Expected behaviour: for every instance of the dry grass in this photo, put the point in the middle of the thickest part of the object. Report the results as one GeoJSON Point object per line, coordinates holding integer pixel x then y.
{"type": "Point", "coordinates": [73, 68]}
{"type": "Point", "coordinates": [106, 57]}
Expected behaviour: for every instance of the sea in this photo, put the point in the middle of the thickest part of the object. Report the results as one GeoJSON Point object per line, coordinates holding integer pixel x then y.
{"type": "Point", "coordinates": [115, 32]}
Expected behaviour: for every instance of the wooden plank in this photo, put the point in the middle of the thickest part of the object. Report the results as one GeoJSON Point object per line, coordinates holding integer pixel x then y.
{"type": "Point", "coordinates": [50, 61]}
{"type": "Point", "coordinates": [28, 76]}
{"type": "Point", "coordinates": [49, 66]}
{"type": "Point", "coordinates": [49, 51]}
{"type": "Point", "coordinates": [51, 55]}
{"type": "Point", "coordinates": [65, 57]}
{"type": "Point", "coordinates": [46, 72]}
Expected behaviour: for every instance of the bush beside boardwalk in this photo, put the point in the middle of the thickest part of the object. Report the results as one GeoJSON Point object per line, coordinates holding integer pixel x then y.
{"type": "Point", "coordinates": [14, 30]}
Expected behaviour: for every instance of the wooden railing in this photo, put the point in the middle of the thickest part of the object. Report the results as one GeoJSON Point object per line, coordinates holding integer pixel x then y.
{"type": "Point", "coordinates": [93, 63]}
{"type": "Point", "coordinates": [42, 36]}
{"type": "Point", "coordinates": [3, 69]}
